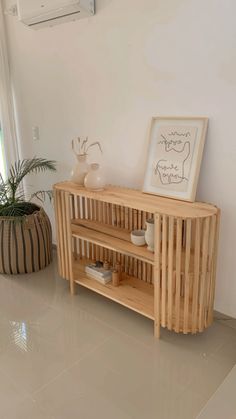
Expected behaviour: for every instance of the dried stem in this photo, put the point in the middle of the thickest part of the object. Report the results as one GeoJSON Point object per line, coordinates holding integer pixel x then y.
{"type": "Point", "coordinates": [84, 147]}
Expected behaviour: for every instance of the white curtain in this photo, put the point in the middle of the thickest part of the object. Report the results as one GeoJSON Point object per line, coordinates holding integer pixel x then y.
{"type": "Point", "coordinates": [7, 119]}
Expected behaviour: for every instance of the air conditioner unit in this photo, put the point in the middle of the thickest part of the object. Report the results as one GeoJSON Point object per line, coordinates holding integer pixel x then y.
{"type": "Point", "coordinates": [38, 13]}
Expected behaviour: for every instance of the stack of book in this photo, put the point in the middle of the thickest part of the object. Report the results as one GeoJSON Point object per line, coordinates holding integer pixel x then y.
{"type": "Point", "coordinates": [99, 273]}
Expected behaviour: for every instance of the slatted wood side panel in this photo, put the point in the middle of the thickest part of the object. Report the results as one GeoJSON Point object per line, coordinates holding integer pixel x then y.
{"type": "Point", "coordinates": [187, 272]}
{"type": "Point", "coordinates": [63, 231]}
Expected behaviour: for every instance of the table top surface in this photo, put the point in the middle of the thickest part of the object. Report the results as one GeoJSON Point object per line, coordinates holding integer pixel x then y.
{"type": "Point", "coordinates": [136, 199]}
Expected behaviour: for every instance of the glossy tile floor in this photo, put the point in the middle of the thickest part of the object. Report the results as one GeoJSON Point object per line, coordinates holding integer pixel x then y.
{"type": "Point", "coordinates": [84, 357]}
{"type": "Point", "coordinates": [223, 403]}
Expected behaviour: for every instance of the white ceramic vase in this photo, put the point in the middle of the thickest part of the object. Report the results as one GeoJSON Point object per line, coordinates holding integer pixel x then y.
{"type": "Point", "coordinates": [94, 180]}
{"type": "Point", "coordinates": [80, 170]}
{"type": "Point", "coordinates": [149, 234]}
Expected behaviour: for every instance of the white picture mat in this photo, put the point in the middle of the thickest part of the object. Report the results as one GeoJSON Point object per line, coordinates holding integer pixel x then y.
{"type": "Point", "coordinates": [161, 128]}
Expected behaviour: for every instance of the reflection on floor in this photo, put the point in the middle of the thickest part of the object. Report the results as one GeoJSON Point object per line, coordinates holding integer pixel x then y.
{"type": "Point", "coordinates": [85, 357]}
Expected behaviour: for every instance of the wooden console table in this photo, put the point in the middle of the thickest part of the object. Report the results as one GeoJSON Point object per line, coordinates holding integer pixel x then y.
{"type": "Point", "coordinates": [174, 286]}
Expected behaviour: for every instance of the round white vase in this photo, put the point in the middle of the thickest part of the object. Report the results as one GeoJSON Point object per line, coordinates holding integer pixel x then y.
{"type": "Point", "coordinates": [149, 234]}
{"type": "Point", "coordinates": [80, 170]}
{"type": "Point", "coordinates": [94, 180]}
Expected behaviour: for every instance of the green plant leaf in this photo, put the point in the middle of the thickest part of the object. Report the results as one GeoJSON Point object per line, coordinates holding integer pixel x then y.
{"type": "Point", "coordinates": [42, 195]}
{"type": "Point", "coordinates": [12, 198]}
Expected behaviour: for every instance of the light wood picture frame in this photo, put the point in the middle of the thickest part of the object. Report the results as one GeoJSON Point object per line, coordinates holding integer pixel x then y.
{"type": "Point", "coordinates": [174, 156]}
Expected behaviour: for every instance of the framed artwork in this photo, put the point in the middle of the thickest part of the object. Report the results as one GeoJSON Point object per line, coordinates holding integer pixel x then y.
{"type": "Point", "coordinates": [174, 156]}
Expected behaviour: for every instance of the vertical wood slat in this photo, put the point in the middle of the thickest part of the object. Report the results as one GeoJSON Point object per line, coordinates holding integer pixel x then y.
{"type": "Point", "coordinates": [135, 226]}
{"type": "Point", "coordinates": [76, 240]}
{"type": "Point", "coordinates": [96, 215]}
{"type": "Point", "coordinates": [196, 274]}
{"type": "Point", "coordinates": [100, 219]}
{"type": "Point", "coordinates": [92, 215]}
{"type": "Point", "coordinates": [73, 216]}
{"type": "Point", "coordinates": [210, 269]}
{"type": "Point", "coordinates": [114, 220]}
{"type": "Point", "coordinates": [58, 231]}
{"type": "Point", "coordinates": [203, 274]}
{"type": "Point", "coordinates": [109, 221]}
{"type": "Point", "coordinates": [122, 258]}
{"type": "Point", "coordinates": [157, 276]}
{"type": "Point", "coordinates": [79, 215]}
{"type": "Point", "coordinates": [64, 234]}
{"type": "Point", "coordinates": [90, 247]}
{"type": "Point", "coordinates": [187, 276]}
{"type": "Point", "coordinates": [130, 219]}
{"type": "Point", "coordinates": [118, 216]}
{"type": "Point", "coordinates": [131, 267]}
{"type": "Point", "coordinates": [69, 242]}
{"type": "Point", "coordinates": [178, 274]}
{"type": "Point", "coordinates": [213, 282]}
{"type": "Point", "coordinates": [170, 272]}
{"type": "Point", "coordinates": [105, 220]}
{"type": "Point", "coordinates": [83, 209]}
{"type": "Point", "coordinates": [163, 271]}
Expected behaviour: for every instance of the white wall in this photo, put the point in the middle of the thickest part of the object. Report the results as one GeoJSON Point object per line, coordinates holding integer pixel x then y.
{"type": "Point", "coordinates": [106, 76]}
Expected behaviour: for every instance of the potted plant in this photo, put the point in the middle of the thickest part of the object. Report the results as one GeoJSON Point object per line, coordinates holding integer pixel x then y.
{"type": "Point", "coordinates": [25, 229]}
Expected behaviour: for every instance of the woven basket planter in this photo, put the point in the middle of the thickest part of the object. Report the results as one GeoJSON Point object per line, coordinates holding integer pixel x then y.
{"type": "Point", "coordinates": [25, 246]}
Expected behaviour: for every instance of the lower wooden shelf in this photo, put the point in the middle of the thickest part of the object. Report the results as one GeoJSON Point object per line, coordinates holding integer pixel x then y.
{"type": "Point", "coordinates": [132, 292]}
{"type": "Point", "coordinates": [136, 295]}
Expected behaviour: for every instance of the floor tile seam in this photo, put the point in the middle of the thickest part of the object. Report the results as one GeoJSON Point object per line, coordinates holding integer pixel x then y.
{"type": "Point", "coordinates": [68, 368]}
{"type": "Point", "coordinates": [116, 330]}
{"type": "Point", "coordinates": [187, 387]}
{"type": "Point", "coordinates": [103, 323]}
{"type": "Point", "coordinates": [91, 351]}
{"type": "Point", "coordinates": [225, 322]}
{"type": "Point", "coordinates": [201, 394]}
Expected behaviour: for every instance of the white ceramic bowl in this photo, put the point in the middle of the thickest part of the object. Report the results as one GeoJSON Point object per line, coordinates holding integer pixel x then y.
{"type": "Point", "coordinates": [138, 237]}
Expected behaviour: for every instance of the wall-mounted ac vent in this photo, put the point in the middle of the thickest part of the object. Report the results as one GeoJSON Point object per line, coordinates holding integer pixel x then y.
{"type": "Point", "coordinates": [38, 13]}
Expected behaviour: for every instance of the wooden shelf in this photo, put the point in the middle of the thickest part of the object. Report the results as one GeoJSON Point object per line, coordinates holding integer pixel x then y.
{"type": "Point", "coordinates": [110, 237]}
{"type": "Point", "coordinates": [182, 270]}
{"type": "Point", "coordinates": [132, 292]}
{"type": "Point", "coordinates": [132, 198]}
{"type": "Point", "coordinates": [118, 239]}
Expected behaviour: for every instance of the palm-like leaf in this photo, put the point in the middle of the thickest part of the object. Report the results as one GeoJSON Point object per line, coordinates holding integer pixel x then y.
{"type": "Point", "coordinates": [22, 168]}
{"type": "Point", "coordinates": [12, 199]}
{"type": "Point", "coordinates": [42, 195]}
{"type": "Point", "coordinates": [3, 190]}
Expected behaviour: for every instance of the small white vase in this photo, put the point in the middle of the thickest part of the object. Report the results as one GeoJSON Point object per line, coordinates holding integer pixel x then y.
{"type": "Point", "coordinates": [149, 234]}
{"type": "Point", "coordinates": [94, 180]}
{"type": "Point", "coordinates": [80, 170]}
